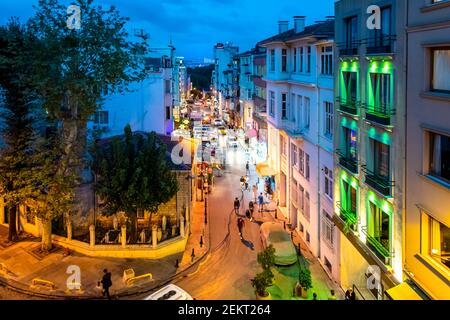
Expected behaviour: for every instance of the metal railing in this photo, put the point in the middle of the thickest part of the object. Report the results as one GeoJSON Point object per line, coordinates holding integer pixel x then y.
{"type": "Point", "coordinates": [349, 48]}
{"type": "Point", "coordinates": [376, 247]}
{"type": "Point", "coordinates": [348, 216]}
{"type": "Point", "coordinates": [380, 44]}
{"type": "Point", "coordinates": [347, 162]}
{"type": "Point", "coordinates": [379, 113]}
{"type": "Point", "coordinates": [348, 105]}
{"type": "Point", "coordinates": [380, 183]}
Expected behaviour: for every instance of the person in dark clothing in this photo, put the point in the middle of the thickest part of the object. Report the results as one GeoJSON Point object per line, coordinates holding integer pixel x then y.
{"type": "Point", "coordinates": [247, 168]}
{"type": "Point", "coordinates": [240, 223]}
{"type": "Point", "coordinates": [350, 294]}
{"type": "Point", "coordinates": [237, 204]}
{"type": "Point", "coordinates": [106, 283]}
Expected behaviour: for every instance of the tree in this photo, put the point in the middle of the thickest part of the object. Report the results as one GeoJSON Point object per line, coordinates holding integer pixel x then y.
{"type": "Point", "coordinates": [17, 114]}
{"type": "Point", "coordinates": [266, 258]}
{"type": "Point", "coordinates": [263, 280]}
{"type": "Point", "coordinates": [72, 71]}
{"type": "Point", "coordinates": [133, 173]}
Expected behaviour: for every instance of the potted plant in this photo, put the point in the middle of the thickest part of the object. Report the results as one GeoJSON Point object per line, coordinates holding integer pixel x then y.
{"type": "Point", "coordinates": [261, 282]}
{"type": "Point", "coordinates": [304, 281]}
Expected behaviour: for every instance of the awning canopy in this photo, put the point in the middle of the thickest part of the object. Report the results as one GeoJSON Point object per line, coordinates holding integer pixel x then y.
{"type": "Point", "coordinates": [403, 292]}
{"type": "Point", "coordinates": [264, 170]}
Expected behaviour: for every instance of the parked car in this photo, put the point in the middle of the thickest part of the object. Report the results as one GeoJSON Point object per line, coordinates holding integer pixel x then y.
{"type": "Point", "coordinates": [170, 292]}
{"type": "Point", "coordinates": [232, 142]}
{"type": "Point", "coordinates": [218, 122]}
{"type": "Point", "coordinates": [222, 130]}
{"type": "Point", "coordinates": [272, 233]}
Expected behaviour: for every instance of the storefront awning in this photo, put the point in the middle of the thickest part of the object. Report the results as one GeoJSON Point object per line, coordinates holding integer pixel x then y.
{"type": "Point", "coordinates": [403, 292]}
{"type": "Point", "coordinates": [264, 170]}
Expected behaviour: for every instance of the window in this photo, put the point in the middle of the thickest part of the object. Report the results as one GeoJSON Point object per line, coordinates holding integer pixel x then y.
{"type": "Point", "coordinates": [441, 69]}
{"type": "Point", "coordinates": [440, 156]}
{"type": "Point", "coordinates": [308, 237]}
{"type": "Point", "coordinates": [306, 166]}
{"type": "Point", "coordinates": [435, 240]}
{"type": "Point", "coordinates": [272, 103]}
{"type": "Point", "coordinates": [293, 107]}
{"type": "Point", "coordinates": [294, 155]}
{"type": "Point", "coordinates": [167, 112]}
{"type": "Point", "coordinates": [302, 228]}
{"type": "Point", "coordinates": [302, 53]}
{"type": "Point", "coordinates": [351, 32]}
{"type": "Point", "coordinates": [307, 205]}
{"type": "Point", "coordinates": [101, 117]}
{"type": "Point", "coordinates": [327, 229]}
{"type": "Point", "coordinates": [381, 37]}
{"type": "Point", "coordinates": [350, 81]}
{"type": "Point", "coordinates": [328, 119]}
{"type": "Point", "coordinates": [328, 182]}
{"type": "Point", "coordinates": [249, 94]}
{"type": "Point", "coordinates": [301, 159]}
{"type": "Point", "coordinates": [295, 60]}
{"type": "Point", "coordinates": [349, 198]}
{"type": "Point", "coordinates": [308, 60]}
{"type": "Point", "coordinates": [301, 198]}
{"type": "Point", "coordinates": [307, 106]}
{"type": "Point", "coordinates": [272, 60]}
{"type": "Point", "coordinates": [350, 143]}
{"type": "Point", "coordinates": [328, 265]}
{"type": "Point", "coordinates": [381, 91]}
{"type": "Point", "coordinates": [167, 86]}
{"type": "Point", "coordinates": [283, 145]}
{"type": "Point", "coordinates": [326, 59]}
{"type": "Point", "coordinates": [283, 60]}
{"type": "Point", "coordinates": [379, 223]}
{"type": "Point", "coordinates": [300, 108]}
{"type": "Point", "coordinates": [381, 154]}
{"type": "Point", "coordinates": [284, 106]}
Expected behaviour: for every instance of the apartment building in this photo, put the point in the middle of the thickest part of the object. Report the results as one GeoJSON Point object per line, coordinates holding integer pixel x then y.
{"type": "Point", "coordinates": [246, 89]}
{"type": "Point", "coordinates": [427, 216]}
{"type": "Point", "coordinates": [224, 79]}
{"type": "Point", "coordinates": [299, 86]}
{"type": "Point", "coordinates": [369, 191]}
{"type": "Point", "coordinates": [179, 86]}
{"type": "Point", "coordinates": [149, 104]}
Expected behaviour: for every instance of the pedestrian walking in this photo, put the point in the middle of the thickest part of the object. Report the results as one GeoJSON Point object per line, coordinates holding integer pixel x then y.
{"type": "Point", "coordinates": [106, 283]}
{"type": "Point", "coordinates": [248, 215]}
{"type": "Point", "coordinates": [255, 193]}
{"type": "Point", "coordinates": [332, 296]}
{"type": "Point", "coordinates": [251, 207]}
{"type": "Point", "coordinates": [260, 202]}
{"type": "Point", "coordinates": [350, 294]}
{"type": "Point", "coordinates": [314, 296]}
{"type": "Point", "coordinates": [247, 168]}
{"type": "Point", "coordinates": [240, 223]}
{"type": "Point", "coordinates": [237, 205]}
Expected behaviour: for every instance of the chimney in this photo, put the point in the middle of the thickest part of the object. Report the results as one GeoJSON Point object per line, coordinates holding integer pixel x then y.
{"type": "Point", "coordinates": [283, 26]}
{"type": "Point", "coordinates": [299, 23]}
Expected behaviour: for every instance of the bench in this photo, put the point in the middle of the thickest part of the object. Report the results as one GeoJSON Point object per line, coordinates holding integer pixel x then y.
{"type": "Point", "coordinates": [36, 282]}
{"type": "Point", "coordinates": [131, 281]}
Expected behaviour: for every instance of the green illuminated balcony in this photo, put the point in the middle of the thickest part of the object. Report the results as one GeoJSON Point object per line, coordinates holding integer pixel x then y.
{"type": "Point", "coordinates": [349, 106]}
{"type": "Point", "coordinates": [347, 162]}
{"type": "Point", "coordinates": [348, 216]}
{"type": "Point", "coordinates": [380, 113]}
{"type": "Point", "coordinates": [377, 247]}
{"type": "Point", "coordinates": [380, 183]}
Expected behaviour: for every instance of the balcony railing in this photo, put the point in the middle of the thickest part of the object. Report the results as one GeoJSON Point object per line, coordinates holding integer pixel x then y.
{"type": "Point", "coordinates": [378, 248]}
{"type": "Point", "coordinates": [380, 183]}
{"type": "Point", "coordinates": [348, 105]}
{"type": "Point", "coordinates": [347, 162]}
{"type": "Point", "coordinates": [348, 216]}
{"type": "Point", "coordinates": [349, 48]}
{"type": "Point", "coordinates": [381, 44]}
{"type": "Point", "coordinates": [380, 113]}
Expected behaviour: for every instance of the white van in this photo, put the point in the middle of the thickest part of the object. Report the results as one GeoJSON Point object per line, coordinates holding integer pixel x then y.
{"type": "Point", "coordinates": [170, 292]}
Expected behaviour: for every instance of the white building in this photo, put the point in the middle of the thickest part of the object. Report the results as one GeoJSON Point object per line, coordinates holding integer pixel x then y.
{"type": "Point", "coordinates": [300, 132]}
{"type": "Point", "coordinates": [223, 81]}
{"type": "Point", "coordinates": [149, 105]}
{"type": "Point", "coordinates": [180, 86]}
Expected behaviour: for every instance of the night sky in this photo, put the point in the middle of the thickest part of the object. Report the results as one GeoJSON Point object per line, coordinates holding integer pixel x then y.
{"type": "Point", "coordinates": [196, 25]}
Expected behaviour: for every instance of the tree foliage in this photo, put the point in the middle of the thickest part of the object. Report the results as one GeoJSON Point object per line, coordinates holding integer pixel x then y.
{"type": "Point", "coordinates": [133, 173]}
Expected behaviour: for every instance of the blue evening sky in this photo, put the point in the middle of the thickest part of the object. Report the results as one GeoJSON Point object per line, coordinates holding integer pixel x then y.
{"type": "Point", "coordinates": [196, 25]}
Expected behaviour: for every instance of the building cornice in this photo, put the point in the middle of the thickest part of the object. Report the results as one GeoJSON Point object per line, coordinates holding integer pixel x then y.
{"type": "Point", "coordinates": [428, 27]}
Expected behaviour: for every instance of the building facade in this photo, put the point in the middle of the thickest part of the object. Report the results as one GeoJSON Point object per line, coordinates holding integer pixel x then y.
{"type": "Point", "coordinates": [299, 86]}
{"type": "Point", "coordinates": [427, 217]}
{"type": "Point", "coordinates": [369, 141]}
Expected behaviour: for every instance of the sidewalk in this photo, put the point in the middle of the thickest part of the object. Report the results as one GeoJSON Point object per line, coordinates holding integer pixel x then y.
{"type": "Point", "coordinates": [25, 264]}
{"type": "Point", "coordinates": [322, 283]}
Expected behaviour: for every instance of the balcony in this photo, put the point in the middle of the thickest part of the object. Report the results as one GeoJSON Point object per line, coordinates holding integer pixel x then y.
{"type": "Point", "coordinates": [381, 45]}
{"type": "Point", "coordinates": [380, 183]}
{"type": "Point", "coordinates": [380, 114]}
{"type": "Point", "coordinates": [348, 217]}
{"type": "Point", "coordinates": [378, 248]}
{"type": "Point", "coordinates": [349, 48]}
{"type": "Point", "coordinates": [349, 106]}
{"type": "Point", "coordinates": [347, 162]}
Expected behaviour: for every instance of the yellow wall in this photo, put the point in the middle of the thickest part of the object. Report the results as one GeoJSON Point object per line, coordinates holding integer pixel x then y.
{"type": "Point", "coordinates": [353, 265]}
